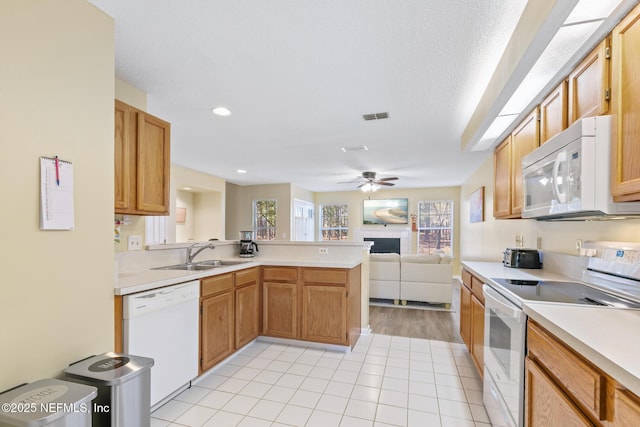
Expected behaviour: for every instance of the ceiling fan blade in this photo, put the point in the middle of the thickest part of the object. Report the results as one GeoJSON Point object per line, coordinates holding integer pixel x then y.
{"type": "Point", "coordinates": [391, 178]}
{"type": "Point", "coordinates": [363, 184]}
{"type": "Point", "coordinates": [384, 183]}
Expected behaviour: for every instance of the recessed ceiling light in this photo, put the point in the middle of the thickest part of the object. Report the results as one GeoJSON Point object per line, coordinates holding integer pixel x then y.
{"type": "Point", "coordinates": [221, 111]}
{"type": "Point", "coordinates": [354, 148]}
{"type": "Point", "coordinates": [241, 171]}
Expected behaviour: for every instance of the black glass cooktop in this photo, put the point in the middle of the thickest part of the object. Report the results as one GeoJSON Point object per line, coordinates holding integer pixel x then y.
{"type": "Point", "coordinates": [564, 292]}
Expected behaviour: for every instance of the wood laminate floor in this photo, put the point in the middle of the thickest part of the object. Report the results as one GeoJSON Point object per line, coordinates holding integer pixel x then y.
{"type": "Point", "coordinates": [415, 323]}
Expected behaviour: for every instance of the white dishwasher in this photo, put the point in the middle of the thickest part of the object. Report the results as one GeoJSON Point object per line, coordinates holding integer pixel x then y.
{"type": "Point", "coordinates": [163, 324]}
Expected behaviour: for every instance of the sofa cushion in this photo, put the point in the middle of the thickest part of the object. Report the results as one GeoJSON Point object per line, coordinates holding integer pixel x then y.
{"type": "Point", "coordinates": [425, 259]}
{"type": "Point", "coordinates": [384, 258]}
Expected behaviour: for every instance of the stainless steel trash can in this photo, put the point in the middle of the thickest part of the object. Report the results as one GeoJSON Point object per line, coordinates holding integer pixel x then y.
{"type": "Point", "coordinates": [48, 402]}
{"type": "Point", "coordinates": [124, 388]}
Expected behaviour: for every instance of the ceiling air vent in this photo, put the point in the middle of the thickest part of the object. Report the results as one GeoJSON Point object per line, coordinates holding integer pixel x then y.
{"type": "Point", "coordinates": [376, 116]}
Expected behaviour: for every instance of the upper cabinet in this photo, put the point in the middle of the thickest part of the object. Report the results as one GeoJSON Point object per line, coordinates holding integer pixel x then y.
{"type": "Point", "coordinates": [508, 191]}
{"type": "Point", "coordinates": [553, 113]}
{"type": "Point", "coordinates": [142, 150]}
{"type": "Point", "coordinates": [589, 85]}
{"type": "Point", "coordinates": [625, 107]}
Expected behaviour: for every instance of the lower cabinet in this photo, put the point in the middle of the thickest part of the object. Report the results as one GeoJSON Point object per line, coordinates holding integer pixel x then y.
{"type": "Point", "coordinates": [472, 318]}
{"type": "Point", "coordinates": [563, 388]}
{"type": "Point", "coordinates": [546, 404]}
{"type": "Point", "coordinates": [216, 320]}
{"type": "Point", "coordinates": [229, 314]}
{"type": "Point", "coordinates": [281, 309]}
{"type": "Point", "coordinates": [312, 304]}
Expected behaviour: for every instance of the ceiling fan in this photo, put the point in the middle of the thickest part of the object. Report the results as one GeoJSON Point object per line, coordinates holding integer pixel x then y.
{"type": "Point", "coordinates": [368, 181]}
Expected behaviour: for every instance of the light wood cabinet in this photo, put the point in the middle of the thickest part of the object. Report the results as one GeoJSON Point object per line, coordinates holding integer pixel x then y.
{"type": "Point", "coordinates": [329, 299]}
{"type": "Point", "coordinates": [546, 404]}
{"type": "Point", "coordinates": [141, 162]}
{"type": "Point", "coordinates": [502, 179]}
{"type": "Point", "coordinates": [625, 108]}
{"type": "Point", "coordinates": [589, 84]}
{"type": "Point", "coordinates": [553, 113]}
{"type": "Point", "coordinates": [563, 388]}
{"type": "Point", "coordinates": [247, 306]}
{"type": "Point", "coordinates": [312, 304]}
{"type": "Point", "coordinates": [626, 408]}
{"type": "Point", "coordinates": [280, 302]}
{"type": "Point", "coordinates": [216, 320]}
{"type": "Point", "coordinates": [508, 191]}
{"type": "Point", "coordinates": [472, 318]}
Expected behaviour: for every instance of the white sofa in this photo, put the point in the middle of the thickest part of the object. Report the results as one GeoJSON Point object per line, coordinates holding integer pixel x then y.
{"type": "Point", "coordinates": [426, 278]}
{"type": "Point", "coordinates": [384, 276]}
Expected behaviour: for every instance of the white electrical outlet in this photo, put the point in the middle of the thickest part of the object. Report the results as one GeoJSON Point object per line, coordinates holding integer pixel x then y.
{"type": "Point", "coordinates": [134, 243]}
{"type": "Point", "coordinates": [324, 250]}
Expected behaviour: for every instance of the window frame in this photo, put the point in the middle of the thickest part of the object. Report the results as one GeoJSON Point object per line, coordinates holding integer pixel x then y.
{"type": "Point", "coordinates": [342, 230]}
{"type": "Point", "coordinates": [425, 229]}
{"type": "Point", "coordinates": [271, 230]}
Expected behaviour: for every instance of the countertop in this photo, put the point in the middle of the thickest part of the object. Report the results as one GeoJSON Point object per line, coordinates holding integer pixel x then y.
{"type": "Point", "coordinates": [147, 279]}
{"type": "Point", "coordinates": [607, 337]}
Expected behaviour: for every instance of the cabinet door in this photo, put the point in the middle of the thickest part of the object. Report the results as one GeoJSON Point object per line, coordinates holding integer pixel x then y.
{"type": "Point", "coordinates": [625, 91]}
{"type": "Point", "coordinates": [588, 83]}
{"type": "Point", "coordinates": [247, 310]}
{"type": "Point", "coordinates": [124, 161]}
{"type": "Point", "coordinates": [280, 309]}
{"type": "Point", "coordinates": [524, 139]}
{"type": "Point", "coordinates": [477, 333]}
{"type": "Point", "coordinates": [553, 113]}
{"type": "Point", "coordinates": [324, 314]}
{"type": "Point", "coordinates": [626, 409]}
{"type": "Point", "coordinates": [465, 316]}
{"type": "Point", "coordinates": [502, 179]}
{"type": "Point", "coordinates": [153, 164]}
{"type": "Point", "coordinates": [216, 329]}
{"type": "Point", "coordinates": [546, 404]}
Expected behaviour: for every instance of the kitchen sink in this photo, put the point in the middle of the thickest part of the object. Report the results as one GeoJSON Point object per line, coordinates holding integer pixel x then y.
{"type": "Point", "coordinates": [203, 265]}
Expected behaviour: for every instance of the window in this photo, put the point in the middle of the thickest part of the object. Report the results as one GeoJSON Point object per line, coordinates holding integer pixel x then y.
{"type": "Point", "coordinates": [435, 226]}
{"type": "Point", "coordinates": [334, 222]}
{"type": "Point", "coordinates": [264, 219]}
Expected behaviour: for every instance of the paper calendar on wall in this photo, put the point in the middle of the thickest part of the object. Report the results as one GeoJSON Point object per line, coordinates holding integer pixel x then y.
{"type": "Point", "coordinates": [56, 194]}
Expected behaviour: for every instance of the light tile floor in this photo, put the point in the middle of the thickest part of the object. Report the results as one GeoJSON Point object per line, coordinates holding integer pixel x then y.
{"type": "Point", "coordinates": [383, 381]}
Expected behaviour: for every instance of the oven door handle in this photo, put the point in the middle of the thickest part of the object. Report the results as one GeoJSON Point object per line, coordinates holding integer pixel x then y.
{"type": "Point", "coordinates": [501, 304]}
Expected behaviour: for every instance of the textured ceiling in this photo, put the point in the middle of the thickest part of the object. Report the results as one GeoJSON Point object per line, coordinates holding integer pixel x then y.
{"type": "Point", "coordinates": [298, 75]}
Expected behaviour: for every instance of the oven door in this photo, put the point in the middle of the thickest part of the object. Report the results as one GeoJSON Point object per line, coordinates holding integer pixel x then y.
{"type": "Point", "coordinates": [504, 341]}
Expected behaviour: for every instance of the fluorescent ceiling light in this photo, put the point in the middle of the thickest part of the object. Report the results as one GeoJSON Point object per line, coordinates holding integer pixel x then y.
{"type": "Point", "coordinates": [585, 19]}
{"type": "Point", "coordinates": [221, 111]}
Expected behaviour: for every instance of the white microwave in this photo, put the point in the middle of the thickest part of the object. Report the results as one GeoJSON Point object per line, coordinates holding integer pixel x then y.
{"type": "Point", "coordinates": [568, 177]}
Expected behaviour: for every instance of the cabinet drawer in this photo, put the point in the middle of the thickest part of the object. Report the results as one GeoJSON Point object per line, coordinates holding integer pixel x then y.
{"type": "Point", "coordinates": [281, 274]}
{"type": "Point", "coordinates": [245, 277]}
{"type": "Point", "coordinates": [466, 278]}
{"type": "Point", "coordinates": [332, 276]}
{"type": "Point", "coordinates": [476, 288]}
{"type": "Point", "coordinates": [576, 376]}
{"type": "Point", "coordinates": [216, 284]}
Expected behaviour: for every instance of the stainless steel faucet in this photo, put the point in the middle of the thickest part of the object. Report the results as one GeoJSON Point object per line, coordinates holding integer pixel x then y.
{"type": "Point", "coordinates": [191, 255]}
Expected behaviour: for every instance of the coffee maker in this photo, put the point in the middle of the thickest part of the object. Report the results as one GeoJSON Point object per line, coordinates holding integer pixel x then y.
{"type": "Point", "coordinates": [248, 247]}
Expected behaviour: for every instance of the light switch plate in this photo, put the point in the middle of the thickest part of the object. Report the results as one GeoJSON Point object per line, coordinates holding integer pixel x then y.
{"type": "Point", "coordinates": [134, 243]}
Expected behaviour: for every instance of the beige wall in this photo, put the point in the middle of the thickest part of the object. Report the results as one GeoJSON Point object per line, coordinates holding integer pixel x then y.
{"type": "Point", "coordinates": [486, 240]}
{"type": "Point", "coordinates": [131, 95]}
{"type": "Point", "coordinates": [57, 99]}
{"type": "Point", "coordinates": [240, 207]}
{"type": "Point", "coordinates": [354, 200]}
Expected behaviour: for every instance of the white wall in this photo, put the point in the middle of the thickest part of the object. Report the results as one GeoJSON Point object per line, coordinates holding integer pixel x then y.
{"type": "Point", "coordinates": [486, 240]}
{"type": "Point", "coordinates": [57, 99]}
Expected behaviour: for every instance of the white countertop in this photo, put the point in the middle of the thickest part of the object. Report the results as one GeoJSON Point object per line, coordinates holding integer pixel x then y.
{"type": "Point", "coordinates": [608, 337]}
{"type": "Point", "coordinates": [147, 279]}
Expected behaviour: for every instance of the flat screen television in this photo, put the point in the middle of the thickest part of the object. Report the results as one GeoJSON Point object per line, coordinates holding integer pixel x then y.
{"type": "Point", "coordinates": [386, 211]}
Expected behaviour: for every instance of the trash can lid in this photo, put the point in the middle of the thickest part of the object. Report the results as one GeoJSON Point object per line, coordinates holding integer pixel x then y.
{"type": "Point", "coordinates": [42, 402]}
{"type": "Point", "coordinates": [109, 368]}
